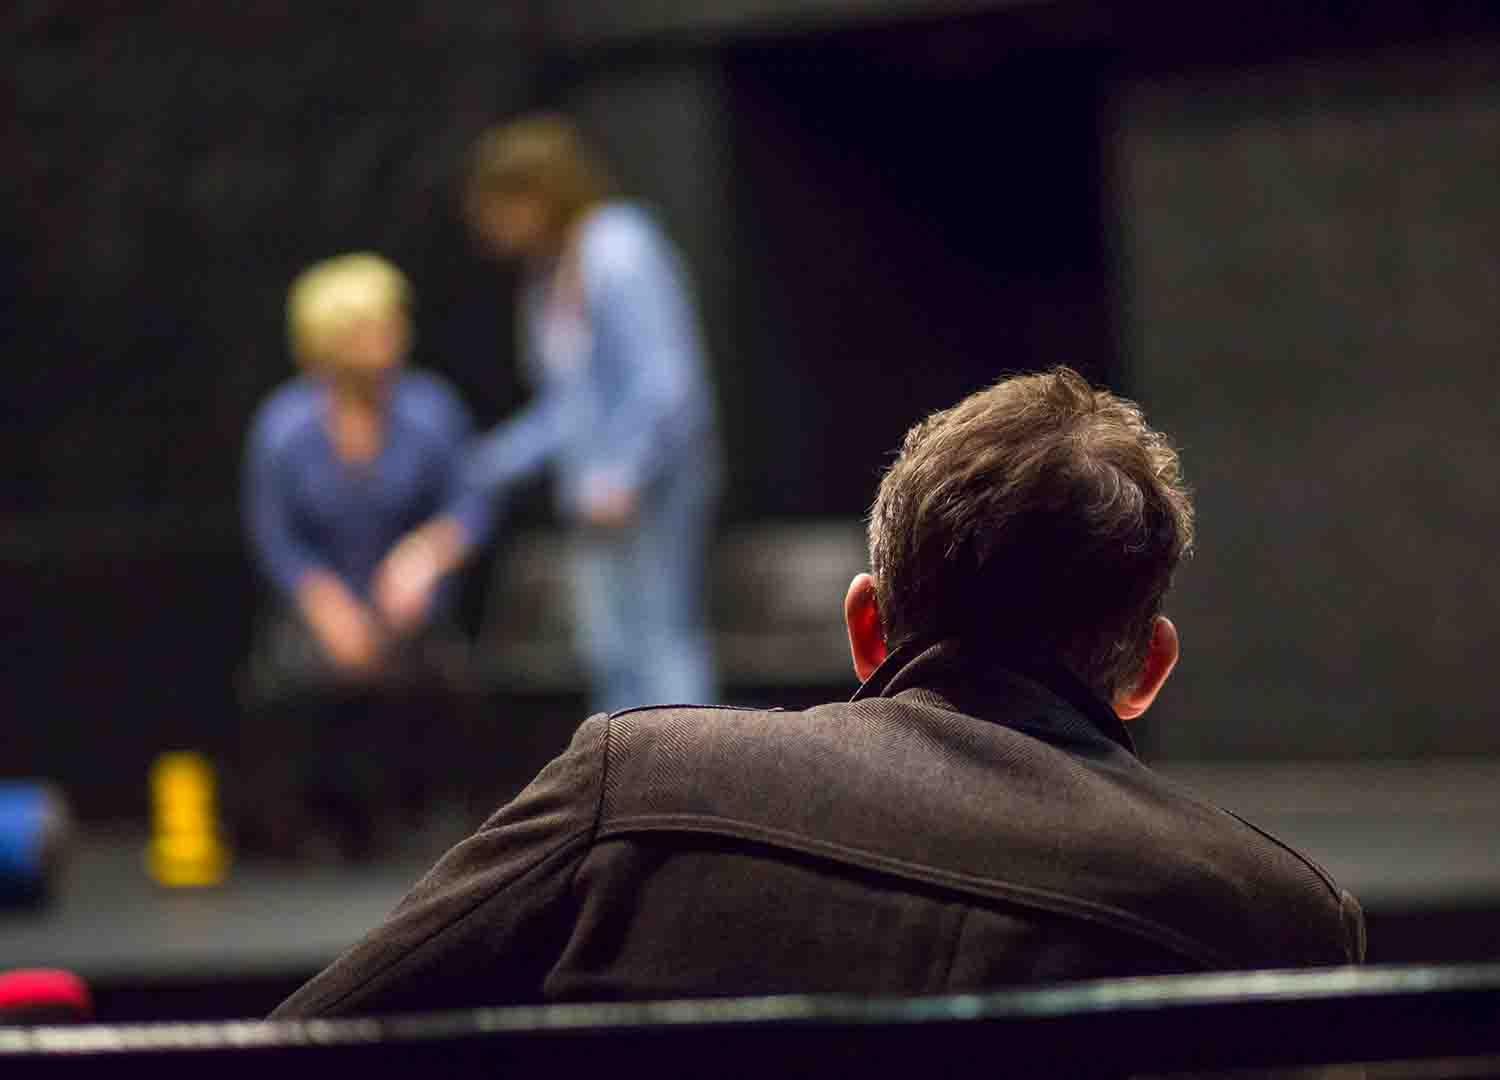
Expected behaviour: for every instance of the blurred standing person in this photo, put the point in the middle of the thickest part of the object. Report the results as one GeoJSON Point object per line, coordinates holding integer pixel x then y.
{"type": "Point", "coordinates": [353, 459]}
{"type": "Point", "coordinates": [622, 409]}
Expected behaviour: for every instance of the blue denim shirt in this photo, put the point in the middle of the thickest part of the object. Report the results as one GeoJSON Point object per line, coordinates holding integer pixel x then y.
{"type": "Point", "coordinates": [615, 357]}
{"type": "Point", "coordinates": [304, 508]}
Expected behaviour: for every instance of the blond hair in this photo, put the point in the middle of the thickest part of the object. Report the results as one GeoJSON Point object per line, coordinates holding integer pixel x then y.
{"type": "Point", "coordinates": [330, 296]}
{"type": "Point", "coordinates": [540, 155]}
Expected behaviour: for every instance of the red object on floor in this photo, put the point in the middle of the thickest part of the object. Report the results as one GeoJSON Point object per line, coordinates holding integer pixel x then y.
{"type": "Point", "coordinates": [49, 991]}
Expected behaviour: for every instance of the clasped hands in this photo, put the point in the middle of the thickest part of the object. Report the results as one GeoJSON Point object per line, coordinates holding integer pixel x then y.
{"type": "Point", "coordinates": [356, 636]}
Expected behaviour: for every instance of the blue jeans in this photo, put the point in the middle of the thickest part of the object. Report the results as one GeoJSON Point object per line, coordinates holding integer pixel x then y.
{"type": "Point", "coordinates": [638, 598]}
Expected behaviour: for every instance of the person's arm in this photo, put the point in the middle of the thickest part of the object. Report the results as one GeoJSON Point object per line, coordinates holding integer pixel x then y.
{"type": "Point", "coordinates": [517, 448]}
{"type": "Point", "coordinates": [489, 921]}
{"type": "Point", "coordinates": [342, 625]}
{"type": "Point", "coordinates": [483, 471]}
{"type": "Point", "coordinates": [411, 571]}
{"type": "Point", "coordinates": [281, 555]}
{"type": "Point", "coordinates": [641, 307]}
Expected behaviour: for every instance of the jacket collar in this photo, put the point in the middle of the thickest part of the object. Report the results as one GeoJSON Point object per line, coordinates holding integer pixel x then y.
{"type": "Point", "coordinates": [1044, 700]}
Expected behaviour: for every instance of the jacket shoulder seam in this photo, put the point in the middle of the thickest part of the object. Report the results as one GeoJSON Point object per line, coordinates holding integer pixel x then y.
{"type": "Point", "coordinates": [971, 884]}
{"type": "Point", "coordinates": [1323, 875]}
{"type": "Point", "coordinates": [695, 708]}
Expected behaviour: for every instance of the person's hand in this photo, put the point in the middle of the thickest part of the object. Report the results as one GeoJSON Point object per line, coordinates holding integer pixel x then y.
{"type": "Point", "coordinates": [347, 632]}
{"type": "Point", "coordinates": [354, 645]}
{"type": "Point", "coordinates": [609, 507]}
{"type": "Point", "coordinates": [405, 582]}
{"type": "Point", "coordinates": [407, 578]}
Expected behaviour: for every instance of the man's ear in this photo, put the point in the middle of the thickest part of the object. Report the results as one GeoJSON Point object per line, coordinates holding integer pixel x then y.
{"type": "Point", "coordinates": [1161, 658]}
{"type": "Point", "coordinates": [862, 617]}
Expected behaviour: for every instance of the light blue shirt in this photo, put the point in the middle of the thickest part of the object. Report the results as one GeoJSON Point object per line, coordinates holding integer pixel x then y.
{"type": "Point", "coordinates": [616, 363]}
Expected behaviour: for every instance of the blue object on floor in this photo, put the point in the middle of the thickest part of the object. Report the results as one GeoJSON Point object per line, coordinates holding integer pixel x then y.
{"type": "Point", "coordinates": [30, 830]}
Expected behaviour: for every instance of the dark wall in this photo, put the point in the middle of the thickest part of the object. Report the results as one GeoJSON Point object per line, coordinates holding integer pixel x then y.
{"type": "Point", "coordinates": [915, 226]}
{"type": "Point", "coordinates": [1314, 256]}
{"type": "Point", "coordinates": [170, 171]}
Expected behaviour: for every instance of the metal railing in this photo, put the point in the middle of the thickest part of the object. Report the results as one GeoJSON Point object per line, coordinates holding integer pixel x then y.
{"type": "Point", "coordinates": [1446, 1017]}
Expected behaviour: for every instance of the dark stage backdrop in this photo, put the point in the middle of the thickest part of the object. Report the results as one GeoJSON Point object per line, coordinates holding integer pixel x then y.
{"type": "Point", "coordinates": [1313, 266]}
{"type": "Point", "coordinates": [915, 226]}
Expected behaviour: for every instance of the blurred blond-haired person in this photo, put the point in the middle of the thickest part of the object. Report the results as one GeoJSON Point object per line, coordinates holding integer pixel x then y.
{"type": "Point", "coordinates": [355, 456]}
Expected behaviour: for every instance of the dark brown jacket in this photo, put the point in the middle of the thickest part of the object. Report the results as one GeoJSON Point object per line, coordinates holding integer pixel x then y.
{"type": "Point", "coordinates": [950, 828]}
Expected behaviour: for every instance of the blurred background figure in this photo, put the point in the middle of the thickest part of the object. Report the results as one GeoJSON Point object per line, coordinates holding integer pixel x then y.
{"type": "Point", "coordinates": [351, 461]}
{"type": "Point", "coordinates": [622, 409]}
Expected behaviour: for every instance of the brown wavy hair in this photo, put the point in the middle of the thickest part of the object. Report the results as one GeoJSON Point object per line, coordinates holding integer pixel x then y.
{"type": "Point", "coordinates": [541, 155]}
{"type": "Point", "coordinates": [1041, 517]}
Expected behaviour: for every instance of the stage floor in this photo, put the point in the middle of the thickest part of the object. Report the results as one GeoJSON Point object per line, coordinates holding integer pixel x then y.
{"type": "Point", "coordinates": [1398, 834]}
{"type": "Point", "coordinates": [1419, 843]}
{"type": "Point", "coordinates": [110, 922]}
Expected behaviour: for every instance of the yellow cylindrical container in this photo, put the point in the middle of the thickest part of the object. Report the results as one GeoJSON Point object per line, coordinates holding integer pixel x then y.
{"type": "Point", "coordinates": [186, 848]}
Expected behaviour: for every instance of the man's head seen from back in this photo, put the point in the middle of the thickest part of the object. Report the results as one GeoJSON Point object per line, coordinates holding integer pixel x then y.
{"type": "Point", "coordinates": [1036, 522]}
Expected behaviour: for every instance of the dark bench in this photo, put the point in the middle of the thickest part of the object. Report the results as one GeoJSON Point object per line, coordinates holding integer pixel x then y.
{"type": "Point", "coordinates": [775, 595]}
